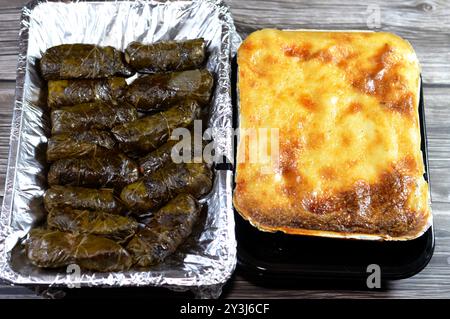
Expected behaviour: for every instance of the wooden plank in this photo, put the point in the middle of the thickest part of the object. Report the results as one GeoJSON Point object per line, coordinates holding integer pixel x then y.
{"type": "Point", "coordinates": [432, 282]}
{"type": "Point", "coordinates": [15, 4]}
{"type": "Point", "coordinates": [410, 19]}
{"type": "Point", "coordinates": [16, 292]}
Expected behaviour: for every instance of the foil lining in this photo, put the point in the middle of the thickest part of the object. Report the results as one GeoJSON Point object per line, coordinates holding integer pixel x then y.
{"type": "Point", "coordinates": [208, 259]}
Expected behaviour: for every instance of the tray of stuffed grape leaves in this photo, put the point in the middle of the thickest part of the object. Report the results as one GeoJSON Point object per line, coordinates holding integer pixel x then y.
{"type": "Point", "coordinates": [103, 91]}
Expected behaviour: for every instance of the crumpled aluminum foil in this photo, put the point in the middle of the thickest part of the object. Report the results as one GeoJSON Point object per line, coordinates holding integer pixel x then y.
{"type": "Point", "coordinates": [208, 259]}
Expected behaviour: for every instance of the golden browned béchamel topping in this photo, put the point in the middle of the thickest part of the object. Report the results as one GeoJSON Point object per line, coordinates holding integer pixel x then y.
{"type": "Point", "coordinates": [346, 106]}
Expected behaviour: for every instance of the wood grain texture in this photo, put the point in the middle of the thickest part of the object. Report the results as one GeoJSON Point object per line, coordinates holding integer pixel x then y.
{"type": "Point", "coordinates": [425, 23]}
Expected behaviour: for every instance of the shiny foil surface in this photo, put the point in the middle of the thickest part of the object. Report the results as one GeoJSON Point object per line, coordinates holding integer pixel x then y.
{"type": "Point", "coordinates": [208, 258]}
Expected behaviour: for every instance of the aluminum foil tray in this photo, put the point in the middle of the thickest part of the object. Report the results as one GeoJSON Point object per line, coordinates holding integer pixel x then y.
{"type": "Point", "coordinates": [208, 259]}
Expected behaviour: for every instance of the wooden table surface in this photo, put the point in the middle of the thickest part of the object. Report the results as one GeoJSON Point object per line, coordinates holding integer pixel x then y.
{"type": "Point", "coordinates": [426, 24]}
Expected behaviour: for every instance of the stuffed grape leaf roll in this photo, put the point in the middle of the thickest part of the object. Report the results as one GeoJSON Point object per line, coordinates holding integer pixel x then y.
{"type": "Point", "coordinates": [82, 61]}
{"type": "Point", "coordinates": [72, 92]}
{"type": "Point", "coordinates": [77, 144]}
{"type": "Point", "coordinates": [159, 91]}
{"type": "Point", "coordinates": [82, 198]}
{"type": "Point", "coordinates": [149, 132]}
{"type": "Point", "coordinates": [116, 227]}
{"type": "Point", "coordinates": [52, 249]}
{"type": "Point", "coordinates": [167, 229]}
{"type": "Point", "coordinates": [166, 56]}
{"type": "Point", "coordinates": [91, 116]}
{"type": "Point", "coordinates": [156, 189]}
{"type": "Point", "coordinates": [108, 169]}
{"type": "Point", "coordinates": [163, 154]}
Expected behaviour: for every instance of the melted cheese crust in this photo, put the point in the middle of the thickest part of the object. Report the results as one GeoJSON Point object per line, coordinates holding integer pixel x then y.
{"type": "Point", "coordinates": [346, 106]}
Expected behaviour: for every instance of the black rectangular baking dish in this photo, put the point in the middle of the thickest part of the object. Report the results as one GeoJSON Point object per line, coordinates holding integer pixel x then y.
{"type": "Point", "coordinates": [278, 256]}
